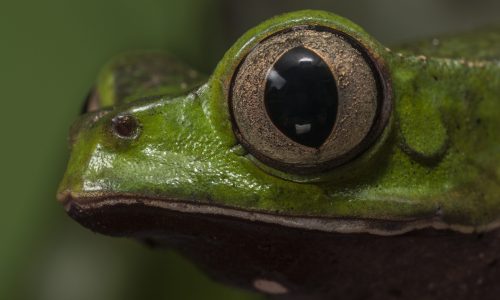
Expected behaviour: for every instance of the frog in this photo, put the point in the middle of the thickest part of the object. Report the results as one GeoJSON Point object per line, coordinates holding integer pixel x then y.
{"type": "Point", "coordinates": [311, 153]}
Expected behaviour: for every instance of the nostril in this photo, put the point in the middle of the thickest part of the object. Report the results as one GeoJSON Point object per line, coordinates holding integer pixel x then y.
{"type": "Point", "coordinates": [125, 126]}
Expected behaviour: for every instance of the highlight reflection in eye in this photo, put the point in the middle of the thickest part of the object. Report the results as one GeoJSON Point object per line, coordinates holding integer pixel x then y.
{"type": "Point", "coordinates": [301, 97]}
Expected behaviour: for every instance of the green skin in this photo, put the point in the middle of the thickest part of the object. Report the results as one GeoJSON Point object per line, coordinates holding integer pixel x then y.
{"type": "Point", "coordinates": [437, 163]}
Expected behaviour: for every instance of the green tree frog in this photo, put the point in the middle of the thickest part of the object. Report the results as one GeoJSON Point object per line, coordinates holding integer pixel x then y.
{"type": "Point", "coordinates": [313, 162]}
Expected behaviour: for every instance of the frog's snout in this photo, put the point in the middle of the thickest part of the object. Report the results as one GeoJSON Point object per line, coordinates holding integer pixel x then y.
{"type": "Point", "coordinates": [85, 122]}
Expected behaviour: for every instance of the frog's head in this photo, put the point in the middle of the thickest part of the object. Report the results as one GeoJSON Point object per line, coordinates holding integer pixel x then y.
{"type": "Point", "coordinates": [307, 122]}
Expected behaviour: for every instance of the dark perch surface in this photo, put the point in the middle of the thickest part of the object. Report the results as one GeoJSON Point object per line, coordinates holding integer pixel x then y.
{"type": "Point", "coordinates": [426, 264]}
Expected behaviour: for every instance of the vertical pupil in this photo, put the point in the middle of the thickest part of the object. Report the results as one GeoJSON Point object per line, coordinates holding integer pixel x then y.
{"type": "Point", "coordinates": [301, 97]}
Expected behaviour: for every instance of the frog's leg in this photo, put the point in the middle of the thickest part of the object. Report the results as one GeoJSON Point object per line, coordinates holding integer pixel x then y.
{"type": "Point", "coordinates": [138, 75]}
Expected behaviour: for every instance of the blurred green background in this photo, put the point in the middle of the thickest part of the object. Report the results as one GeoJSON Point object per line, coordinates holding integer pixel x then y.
{"type": "Point", "coordinates": [50, 53]}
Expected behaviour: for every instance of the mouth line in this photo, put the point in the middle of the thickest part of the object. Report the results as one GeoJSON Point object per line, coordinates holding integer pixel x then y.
{"type": "Point", "coordinates": [100, 201]}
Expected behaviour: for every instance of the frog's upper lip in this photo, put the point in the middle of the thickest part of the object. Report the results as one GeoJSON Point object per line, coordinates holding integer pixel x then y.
{"type": "Point", "coordinates": [106, 212]}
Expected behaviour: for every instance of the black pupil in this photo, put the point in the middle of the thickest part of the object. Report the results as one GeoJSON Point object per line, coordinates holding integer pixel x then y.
{"type": "Point", "coordinates": [301, 97]}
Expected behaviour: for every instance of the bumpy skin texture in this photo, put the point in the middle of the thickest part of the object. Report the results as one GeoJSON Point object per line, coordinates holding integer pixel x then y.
{"type": "Point", "coordinates": [436, 164]}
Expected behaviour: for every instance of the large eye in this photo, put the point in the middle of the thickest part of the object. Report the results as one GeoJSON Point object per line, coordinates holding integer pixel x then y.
{"type": "Point", "coordinates": [308, 99]}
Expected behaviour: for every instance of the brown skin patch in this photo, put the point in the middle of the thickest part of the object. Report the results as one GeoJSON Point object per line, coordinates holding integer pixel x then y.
{"type": "Point", "coordinates": [425, 264]}
{"type": "Point", "coordinates": [92, 102]}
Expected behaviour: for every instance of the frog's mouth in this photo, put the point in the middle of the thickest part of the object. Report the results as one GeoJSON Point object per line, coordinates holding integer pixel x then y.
{"type": "Point", "coordinates": [133, 215]}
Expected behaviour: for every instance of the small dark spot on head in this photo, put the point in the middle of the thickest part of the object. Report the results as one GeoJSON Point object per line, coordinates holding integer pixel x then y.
{"type": "Point", "coordinates": [478, 121]}
{"type": "Point", "coordinates": [125, 126]}
{"type": "Point", "coordinates": [435, 78]}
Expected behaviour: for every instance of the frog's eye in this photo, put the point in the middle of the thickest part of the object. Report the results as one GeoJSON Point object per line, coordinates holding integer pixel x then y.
{"type": "Point", "coordinates": [308, 99]}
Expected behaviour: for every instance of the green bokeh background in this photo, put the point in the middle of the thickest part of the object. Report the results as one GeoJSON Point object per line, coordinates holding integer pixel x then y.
{"type": "Point", "coordinates": [50, 53]}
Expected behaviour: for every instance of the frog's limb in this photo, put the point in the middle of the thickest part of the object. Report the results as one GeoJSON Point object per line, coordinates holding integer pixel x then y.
{"type": "Point", "coordinates": [142, 74]}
